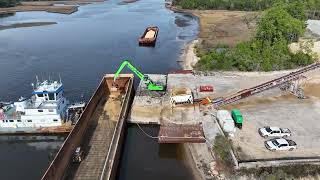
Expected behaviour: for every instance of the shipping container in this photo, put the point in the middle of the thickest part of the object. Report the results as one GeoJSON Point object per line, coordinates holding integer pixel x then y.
{"type": "Point", "coordinates": [207, 88]}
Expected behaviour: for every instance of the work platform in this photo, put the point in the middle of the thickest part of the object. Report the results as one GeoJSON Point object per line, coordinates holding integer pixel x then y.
{"type": "Point", "coordinates": [99, 132]}
{"type": "Point", "coordinates": [147, 105]}
{"type": "Point", "coordinates": [181, 133]}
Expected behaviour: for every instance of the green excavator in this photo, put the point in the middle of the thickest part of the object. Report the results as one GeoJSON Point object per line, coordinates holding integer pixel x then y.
{"type": "Point", "coordinates": [145, 78]}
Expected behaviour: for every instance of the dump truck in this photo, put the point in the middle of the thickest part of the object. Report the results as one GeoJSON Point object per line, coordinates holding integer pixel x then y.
{"type": "Point", "coordinates": [181, 96]}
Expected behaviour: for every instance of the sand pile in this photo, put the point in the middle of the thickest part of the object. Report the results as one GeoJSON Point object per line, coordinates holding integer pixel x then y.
{"type": "Point", "coordinates": [112, 108]}
{"type": "Point", "coordinates": [150, 34]}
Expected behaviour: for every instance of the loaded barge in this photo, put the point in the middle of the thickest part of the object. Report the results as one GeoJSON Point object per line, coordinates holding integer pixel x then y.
{"type": "Point", "coordinates": [99, 133]}
{"type": "Point", "coordinates": [149, 37]}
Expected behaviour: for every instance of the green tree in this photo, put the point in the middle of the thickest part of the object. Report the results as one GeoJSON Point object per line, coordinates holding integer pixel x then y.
{"type": "Point", "coordinates": [277, 23]}
{"type": "Point", "coordinates": [280, 25]}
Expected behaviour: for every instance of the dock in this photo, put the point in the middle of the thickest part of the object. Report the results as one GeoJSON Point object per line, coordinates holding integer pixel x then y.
{"type": "Point", "coordinates": [181, 134]}
{"type": "Point", "coordinates": [99, 132]}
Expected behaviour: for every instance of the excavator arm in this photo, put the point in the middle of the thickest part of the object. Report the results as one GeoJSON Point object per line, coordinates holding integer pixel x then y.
{"type": "Point", "coordinates": [150, 84]}
{"type": "Point", "coordinates": [131, 67]}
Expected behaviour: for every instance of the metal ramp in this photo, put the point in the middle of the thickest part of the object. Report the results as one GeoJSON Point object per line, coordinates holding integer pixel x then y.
{"type": "Point", "coordinates": [181, 133]}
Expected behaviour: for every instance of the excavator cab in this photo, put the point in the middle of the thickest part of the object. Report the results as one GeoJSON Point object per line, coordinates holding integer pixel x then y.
{"type": "Point", "coordinates": [151, 85]}
{"type": "Point", "coordinates": [147, 79]}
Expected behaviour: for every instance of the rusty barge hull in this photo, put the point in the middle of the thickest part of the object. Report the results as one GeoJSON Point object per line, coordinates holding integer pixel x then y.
{"type": "Point", "coordinates": [99, 131]}
{"type": "Point", "coordinates": [181, 133]}
{"type": "Point", "coordinates": [59, 130]}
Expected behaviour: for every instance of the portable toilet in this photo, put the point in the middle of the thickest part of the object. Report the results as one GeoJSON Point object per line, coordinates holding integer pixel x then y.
{"type": "Point", "coordinates": [237, 117]}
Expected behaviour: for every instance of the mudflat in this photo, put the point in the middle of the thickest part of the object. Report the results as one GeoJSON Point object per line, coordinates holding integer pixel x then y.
{"type": "Point", "coordinates": [20, 25]}
{"type": "Point", "coordinates": [65, 7]}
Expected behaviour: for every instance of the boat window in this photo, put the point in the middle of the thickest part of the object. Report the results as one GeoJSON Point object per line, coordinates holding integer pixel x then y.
{"type": "Point", "coordinates": [6, 120]}
{"type": "Point", "coordinates": [55, 120]}
{"type": "Point", "coordinates": [50, 110]}
{"type": "Point", "coordinates": [40, 95]}
{"type": "Point", "coordinates": [29, 120]}
{"type": "Point", "coordinates": [51, 96]}
{"type": "Point", "coordinates": [19, 120]}
{"type": "Point", "coordinates": [11, 120]}
{"type": "Point", "coordinates": [40, 110]}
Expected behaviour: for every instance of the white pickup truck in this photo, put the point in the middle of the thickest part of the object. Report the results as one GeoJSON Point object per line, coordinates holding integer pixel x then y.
{"type": "Point", "coordinates": [274, 132]}
{"type": "Point", "coordinates": [280, 144]}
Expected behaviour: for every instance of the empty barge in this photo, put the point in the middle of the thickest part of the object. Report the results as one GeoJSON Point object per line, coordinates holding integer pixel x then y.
{"type": "Point", "coordinates": [99, 132]}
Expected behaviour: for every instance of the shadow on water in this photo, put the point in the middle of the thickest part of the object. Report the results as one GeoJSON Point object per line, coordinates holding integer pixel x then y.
{"type": "Point", "coordinates": [182, 22]}
{"type": "Point", "coordinates": [6, 15]}
{"type": "Point", "coordinates": [143, 158]}
{"type": "Point", "coordinates": [18, 154]}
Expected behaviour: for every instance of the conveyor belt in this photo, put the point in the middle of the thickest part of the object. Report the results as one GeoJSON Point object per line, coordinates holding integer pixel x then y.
{"type": "Point", "coordinates": [265, 86]}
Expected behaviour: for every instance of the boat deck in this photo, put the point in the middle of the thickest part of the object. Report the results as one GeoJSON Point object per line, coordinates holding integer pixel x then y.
{"type": "Point", "coordinates": [98, 139]}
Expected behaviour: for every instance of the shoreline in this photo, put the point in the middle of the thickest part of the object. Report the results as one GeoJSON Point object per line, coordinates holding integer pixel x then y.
{"type": "Point", "coordinates": [61, 7]}
{"type": "Point", "coordinates": [188, 59]}
{"type": "Point", "coordinates": [28, 24]}
{"type": "Point", "coordinates": [216, 27]}
{"type": "Point", "coordinates": [192, 163]}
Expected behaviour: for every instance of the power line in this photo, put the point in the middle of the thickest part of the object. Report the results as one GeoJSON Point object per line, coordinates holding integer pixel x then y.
{"type": "Point", "coordinates": [148, 135]}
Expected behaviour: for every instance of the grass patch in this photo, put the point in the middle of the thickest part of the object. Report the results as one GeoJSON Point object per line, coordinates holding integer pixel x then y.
{"type": "Point", "coordinates": [278, 27]}
{"type": "Point", "coordinates": [282, 172]}
{"type": "Point", "coordinates": [221, 148]}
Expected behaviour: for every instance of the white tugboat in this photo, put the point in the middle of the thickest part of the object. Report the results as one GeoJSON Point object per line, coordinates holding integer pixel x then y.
{"type": "Point", "coordinates": [45, 112]}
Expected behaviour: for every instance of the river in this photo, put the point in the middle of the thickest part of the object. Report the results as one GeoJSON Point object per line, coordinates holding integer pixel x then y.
{"type": "Point", "coordinates": [80, 48]}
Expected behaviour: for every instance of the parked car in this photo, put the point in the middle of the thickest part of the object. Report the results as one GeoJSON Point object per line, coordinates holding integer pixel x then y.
{"type": "Point", "coordinates": [274, 132]}
{"type": "Point", "coordinates": [280, 144]}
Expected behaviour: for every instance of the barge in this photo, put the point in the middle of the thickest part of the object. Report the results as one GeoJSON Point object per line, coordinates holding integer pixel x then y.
{"type": "Point", "coordinates": [149, 37]}
{"type": "Point", "coordinates": [99, 132]}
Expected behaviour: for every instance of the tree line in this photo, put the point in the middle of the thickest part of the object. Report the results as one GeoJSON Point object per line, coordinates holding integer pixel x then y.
{"type": "Point", "coordinates": [8, 3]}
{"type": "Point", "coordinates": [279, 26]}
{"type": "Point", "coordinates": [245, 5]}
